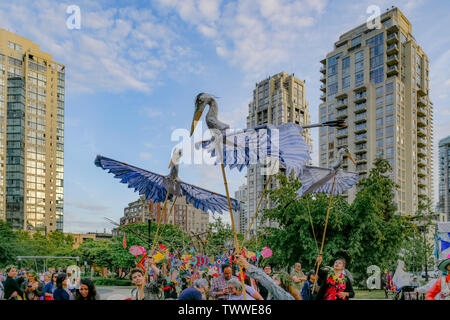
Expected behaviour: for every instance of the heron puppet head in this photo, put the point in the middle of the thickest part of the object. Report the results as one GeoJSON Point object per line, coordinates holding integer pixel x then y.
{"type": "Point", "coordinates": [200, 103]}
{"type": "Point", "coordinates": [176, 157]}
{"type": "Point", "coordinates": [343, 152]}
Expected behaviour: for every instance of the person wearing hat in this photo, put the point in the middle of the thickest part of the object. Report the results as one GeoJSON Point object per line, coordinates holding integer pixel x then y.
{"type": "Point", "coordinates": [442, 285]}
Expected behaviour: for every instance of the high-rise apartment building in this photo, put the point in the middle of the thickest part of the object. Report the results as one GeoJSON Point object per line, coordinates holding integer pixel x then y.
{"type": "Point", "coordinates": [31, 135]}
{"type": "Point", "coordinates": [378, 80]}
{"type": "Point", "coordinates": [240, 217]}
{"type": "Point", "coordinates": [183, 214]}
{"type": "Point", "coordinates": [276, 100]}
{"type": "Point", "coordinates": [444, 177]}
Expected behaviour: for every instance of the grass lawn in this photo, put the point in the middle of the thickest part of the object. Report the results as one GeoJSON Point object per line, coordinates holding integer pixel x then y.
{"type": "Point", "coordinates": [366, 294]}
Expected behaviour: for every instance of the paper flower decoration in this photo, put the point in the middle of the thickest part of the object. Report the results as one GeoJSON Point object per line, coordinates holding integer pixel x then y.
{"type": "Point", "coordinates": [266, 252]}
{"type": "Point", "coordinates": [137, 250]}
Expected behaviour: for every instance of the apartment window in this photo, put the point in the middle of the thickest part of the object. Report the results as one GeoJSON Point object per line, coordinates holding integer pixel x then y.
{"type": "Point", "coordinates": [379, 133]}
{"type": "Point", "coordinates": [389, 87]}
{"type": "Point", "coordinates": [389, 119]}
{"type": "Point", "coordinates": [345, 83]}
{"type": "Point", "coordinates": [380, 143]}
{"type": "Point", "coordinates": [359, 78]}
{"type": "Point", "coordinates": [379, 112]}
{"type": "Point", "coordinates": [356, 41]}
{"type": "Point", "coordinates": [387, 23]}
{"type": "Point", "coordinates": [379, 91]}
{"type": "Point", "coordinates": [379, 122]}
{"type": "Point", "coordinates": [389, 108]}
{"type": "Point", "coordinates": [379, 101]}
{"type": "Point", "coordinates": [390, 98]}
{"type": "Point", "coordinates": [323, 110]}
{"type": "Point", "coordinates": [389, 141]}
{"type": "Point", "coordinates": [389, 151]}
{"type": "Point", "coordinates": [330, 108]}
{"type": "Point", "coordinates": [377, 75]}
{"type": "Point", "coordinates": [389, 130]}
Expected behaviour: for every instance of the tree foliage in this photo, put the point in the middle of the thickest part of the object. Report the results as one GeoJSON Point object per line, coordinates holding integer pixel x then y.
{"type": "Point", "coordinates": [364, 233]}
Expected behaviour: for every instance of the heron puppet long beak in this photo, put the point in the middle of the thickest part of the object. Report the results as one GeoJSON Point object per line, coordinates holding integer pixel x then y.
{"type": "Point", "coordinates": [351, 158]}
{"type": "Point", "coordinates": [197, 115]}
{"type": "Point", "coordinates": [171, 163]}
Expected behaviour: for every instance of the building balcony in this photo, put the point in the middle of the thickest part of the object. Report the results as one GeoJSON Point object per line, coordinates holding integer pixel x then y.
{"type": "Point", "coordinates": [421, 152]}
{"type": "Point", "coordinates": [422, 112]}
{"type": "Point", "coordinates": [323, 61]}
{"type": "Point", "coordinates": [422, 162]}
{"type": "Point", "coordinates": [361, 139]}
{"type": "Point", "coordinates": [360, 107]}
{"type": "Point", "coordinates": [361, 127]}
{"type": "Point", "coordinates": [361, 168]}
{"type": "Point", "coordinates": [392, 59]}
{"type": "Point", "coordinates": [323, 69]}
{"type": "Point", "coordinates": [392, 71]}
{"type": "Point", "coordinates": [421, 91]}
{"type": "Point", "coordinates": [422, 132]}
{"type": "Point", "coordinates": [341, 115]}
{"type": "Point", "coordinates": [361, 148]}
{"type": "Point", "coordinates": [342, 133]}
{"type": "Point", "coordinates": [360, 97]}
{"type": "Point", "coordinates": [341, 95]}
{"type": "Point", "coordinates": [421, 102]}
{"type": "Point", "coordinates": [323, 79]}
{"type": "Point", "coordinates": [392, 38]}
{"type": "Point", "coordinates": [393, 48]}
{"type": "Point", "coordinates": [341, 144]}
{"type": "Point", "coordinates": [323, 88]}
{"type": "Point", "coordinates": [421, 122]}
{"type": "Point", "coordinates": [360, 87]}
{"type": "Point", "coordinates": [422, 172]}
{"type": "Point", "coordinates": [421, 142]}
{"type": "Point", "coordinates": [361, 158]}
{"type": "Point", "coordinates": [360, 117]}
{"type": "Point", "coordinates": [393, 28]}
{"type": "Point", "coordinates": [323, 97]}
{"type": "Point", "coordinates": [341, 104]}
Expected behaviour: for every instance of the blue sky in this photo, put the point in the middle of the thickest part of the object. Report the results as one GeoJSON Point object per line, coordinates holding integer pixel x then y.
{"type": "Point", "coordinates": [135, 67]}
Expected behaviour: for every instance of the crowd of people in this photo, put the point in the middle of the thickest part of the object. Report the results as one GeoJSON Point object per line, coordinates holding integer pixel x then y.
{"type": "Point", "coordinates": [329, 283]}
{"type": "Point", "coordinates": [333, 283]}
{"type": "Point", "coordinates": [28, 285]}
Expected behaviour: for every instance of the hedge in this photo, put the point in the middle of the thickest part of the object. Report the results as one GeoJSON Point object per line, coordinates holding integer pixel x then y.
{"type": "Point", "coordinates": [101, 281]}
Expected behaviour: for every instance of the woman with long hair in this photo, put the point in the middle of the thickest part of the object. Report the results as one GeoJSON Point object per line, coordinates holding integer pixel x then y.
{"type": "Point", "coordinates": [86, 291]}
{"type": "Point", "coordinates": [50, 287]}
{"type": "Point", "coordinates": [62, 292]}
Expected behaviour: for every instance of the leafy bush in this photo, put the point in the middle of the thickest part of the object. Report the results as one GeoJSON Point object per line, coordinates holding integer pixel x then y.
{"type": "Point", "coordinates": [101, 281]}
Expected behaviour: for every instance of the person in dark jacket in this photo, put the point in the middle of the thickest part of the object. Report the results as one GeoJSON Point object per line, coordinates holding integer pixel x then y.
{"type": "Point", "coordinates": [335, 284]}
{"type": "Point", "coordinates": [307, 293]}
{"type": "Point", "coordinates": [62, 292]}
{"type": "Point", "coordinates": [12, 289]}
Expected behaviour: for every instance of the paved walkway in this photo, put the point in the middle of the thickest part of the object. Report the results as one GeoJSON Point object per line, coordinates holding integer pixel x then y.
{"type": "Point", "coordinates": [114, 293]}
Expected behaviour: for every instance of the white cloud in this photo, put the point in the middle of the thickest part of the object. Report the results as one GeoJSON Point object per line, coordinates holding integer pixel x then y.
{"type": "Point", "coordinates": [152, 112]}
{"type": "Point", "coordinates": [145, 155]}
{"type": "Point", "coordinates": [255, 36]}
{"type": "Point", "coordinates": [115, 49]}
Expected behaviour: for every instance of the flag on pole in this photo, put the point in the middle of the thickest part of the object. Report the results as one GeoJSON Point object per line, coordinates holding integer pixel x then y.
{"type": "Point", "coordinates": [124, 240]}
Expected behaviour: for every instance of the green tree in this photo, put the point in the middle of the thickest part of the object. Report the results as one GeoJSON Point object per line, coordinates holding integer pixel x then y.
{"type": "Point", "coordinates": [364, 233]}
{"type": "Point", "coordinates": [418, 248]}
{"type": "Point", "coordinates": [9, 245]}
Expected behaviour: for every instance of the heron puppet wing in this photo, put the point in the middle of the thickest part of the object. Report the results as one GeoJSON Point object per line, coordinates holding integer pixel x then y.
{"type": "Point", "coordinates": [320, 180]}
{"type": "Point", "coordinates": [152, 186]}
{"type": "Point", "coordinates": [253, 145]}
